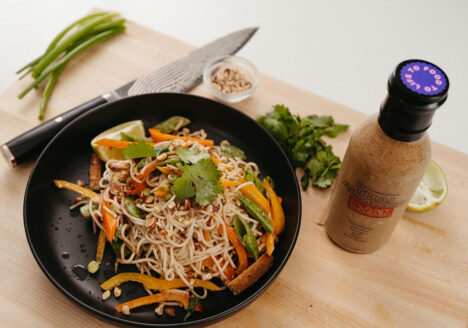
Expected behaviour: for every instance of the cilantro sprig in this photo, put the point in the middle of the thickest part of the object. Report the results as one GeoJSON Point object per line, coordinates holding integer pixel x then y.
{"type": "Point", "coordinates": [200, 180]}
{"type": "Point", "coordinates": [141, 150]}
{"type": "Point", "coordinates": [301, 138]}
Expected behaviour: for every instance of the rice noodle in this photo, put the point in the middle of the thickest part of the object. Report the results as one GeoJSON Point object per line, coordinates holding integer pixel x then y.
{"type": "Point", "coordinates": [169, 241]}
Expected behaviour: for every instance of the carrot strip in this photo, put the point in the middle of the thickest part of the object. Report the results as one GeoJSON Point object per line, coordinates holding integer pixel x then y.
{"type": "Point", "coordinates": [154, 283]}
{"type": "Point", "coordinates": [109, 221]}
{"type": "Point", "coordinates": [230, 183]}
{"type": "Point", "coordinates": [276, 208]}
{"type": "Point", "coordinates": [120, 144]}
{"type": "Point", "coordinates": [158, 136]}
{"type": "Point", "coordinates": [85, 192]}
{"type": "Point", "coordinates": [240, 250]}
{"type": "Point", "coordinates": [139, 187]}
{"type": "Point", "coordinates": [147, 171]}
{"type": "Point", "coordinates": [101, 246]}
{"type": "Point", "coordinates": [156, 298]}
{"type": "Point", "coordinates": [206, 235]}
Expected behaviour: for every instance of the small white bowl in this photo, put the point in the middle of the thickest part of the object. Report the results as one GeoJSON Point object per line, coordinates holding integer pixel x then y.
{"type": "Point", "coordinates": [244, 67]}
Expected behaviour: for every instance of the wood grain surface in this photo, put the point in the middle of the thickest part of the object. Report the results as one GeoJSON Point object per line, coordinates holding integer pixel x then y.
{"type": "Point", "coordinates": [419, 279]}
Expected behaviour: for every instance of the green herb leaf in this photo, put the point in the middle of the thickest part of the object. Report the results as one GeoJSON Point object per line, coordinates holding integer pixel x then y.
{"type": "Point", "coordinates": [201, 180]}
{"type": "Point", "coordinates": [301, 138]}
{"type": "Point", "coordinates": [232, 151]}
{"type": "Point", "coordinates": [139, 150]}
{"type": "Point", "coordinates": [191, 155]}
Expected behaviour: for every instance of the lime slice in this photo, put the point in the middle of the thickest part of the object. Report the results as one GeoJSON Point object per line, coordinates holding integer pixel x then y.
{"type": "Point", "coordinates": [106, 153]}
{"type": "Point", "coordinates": [431, 191]}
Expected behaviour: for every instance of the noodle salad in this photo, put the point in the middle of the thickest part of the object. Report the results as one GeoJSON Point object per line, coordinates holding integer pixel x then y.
{"type": "Point", "coordinates": [192, 216]}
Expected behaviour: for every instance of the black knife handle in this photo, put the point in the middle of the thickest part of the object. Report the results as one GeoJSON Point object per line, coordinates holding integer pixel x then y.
{"type": "Point", "coordinates": [28, 144]}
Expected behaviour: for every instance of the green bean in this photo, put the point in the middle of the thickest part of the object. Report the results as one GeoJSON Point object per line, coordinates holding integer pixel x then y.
{"type": "Point", "coordinates": [246, 236]}
{"type": "Point", "coordinates": [132, 208]}
{"type": "Point", "coordinates": [48, 90]}
{"type": "Point", "coordinates": [171, 161]}
{"type": "Point", "coordinates": [256, 212]}
{"type": "Point", "coordinates": [51, 55]}
{"type": "Point", "coordinates": [250, 176]}
{"type": "Point", "coordinates": [172, 124]}
{"type": "Point", "coordinates": [85, 45]}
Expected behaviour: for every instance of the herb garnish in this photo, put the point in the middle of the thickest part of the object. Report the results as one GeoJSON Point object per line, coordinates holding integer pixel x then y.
{"type": "Point", "coordinates": [301, 138]}
{"type": "Point", "coordinates": [200, 180]}
{"type": "Point", "coordinates": [142, 149]}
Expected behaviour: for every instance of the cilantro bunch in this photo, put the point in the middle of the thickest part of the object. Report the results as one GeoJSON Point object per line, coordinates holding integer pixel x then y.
{"type": "Point", "coordinates": [301, 138]}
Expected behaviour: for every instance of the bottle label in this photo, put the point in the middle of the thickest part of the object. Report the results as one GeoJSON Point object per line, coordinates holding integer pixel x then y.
{"type": "Point", "coordinates": [371, 203]}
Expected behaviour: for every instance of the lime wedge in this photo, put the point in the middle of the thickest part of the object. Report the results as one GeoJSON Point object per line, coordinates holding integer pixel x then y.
{"type": "Point", "coordinates": [105, 153]}
{"type": "Point", "coordinates": [431, 191]}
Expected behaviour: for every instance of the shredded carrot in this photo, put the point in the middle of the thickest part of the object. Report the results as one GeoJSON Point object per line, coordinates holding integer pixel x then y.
{"type": "Point", "coordinates": [276, 209]}
{"type": "Point", "coordinates": [156, 298]}
{"type": "Point", "coordinates": [240, 250]}
{"type": "Point", "coordinates": [109, 221]}
{"type": "Point", "coordinates": [158, 136]}
{"type": "Point", "coordinates": [120, 144]}
{"type": "Point", "coordinates": [148, 170]}
{"type": "Point", "coordinates": [161, 193]}
{"type": "Point", "coordinates": [85, 192]}
{"type": "Point", "coordinates": [230, 183]}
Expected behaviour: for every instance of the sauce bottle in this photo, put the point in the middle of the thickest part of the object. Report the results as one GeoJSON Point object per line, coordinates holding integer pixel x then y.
{"type": "Point", "coordinates": [386, 159]}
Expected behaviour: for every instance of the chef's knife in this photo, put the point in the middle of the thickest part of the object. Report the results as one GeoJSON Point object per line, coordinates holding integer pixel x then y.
{"type": "Point", "coordinates": [178, 76]}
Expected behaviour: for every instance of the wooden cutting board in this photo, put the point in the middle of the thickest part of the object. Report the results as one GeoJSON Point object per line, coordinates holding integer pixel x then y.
{"type": "Point", "coordinates": [419, 279]}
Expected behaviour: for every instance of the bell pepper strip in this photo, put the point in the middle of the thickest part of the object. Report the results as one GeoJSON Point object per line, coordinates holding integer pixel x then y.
{"type": "Point", "coordinates": [228, 271]}
{"type": "Point", "coordinates": [240, 250]}
{"type": "Point", "coordinates": [154, 283]}
{"type": "Point", "coordinates": [148, 170]}
{"type": "Point", "coordinates": [112, 143]}
{"type": "Point", "coordinates": [85, 192]}
{"type": "Point", "coordinates": [276, 208]}
{"type": "Point", "coordinates": [252, 192]}
{"type": "Point", "coordinates": [158, 136]}
{"type": "Point", "coordinates": [270, 243]}
{"type": "Point", "coordinates": [101, 246]}
{"type": "Point", "coordinates": [229, 183]}
{"type": "Point", "coordinates": [156, 298]}
{"type": "Point", "coordinates": [109, 221]}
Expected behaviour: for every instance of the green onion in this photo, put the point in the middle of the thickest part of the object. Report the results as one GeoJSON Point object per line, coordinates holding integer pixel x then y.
{"type": "Point", "coordinates": [90, 30]}
{"type": "Point", "coordinates": [93, 267]}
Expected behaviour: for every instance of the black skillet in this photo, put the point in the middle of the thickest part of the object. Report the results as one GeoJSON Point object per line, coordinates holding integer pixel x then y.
{"type": "Point", "coordinates": [61, 239]}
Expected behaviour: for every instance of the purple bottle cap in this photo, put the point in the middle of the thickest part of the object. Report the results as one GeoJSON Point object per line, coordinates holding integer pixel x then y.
{"type": "Point", "coordinates": [423, 78]}
{"type": "Point", "coordinates": [416, 88]}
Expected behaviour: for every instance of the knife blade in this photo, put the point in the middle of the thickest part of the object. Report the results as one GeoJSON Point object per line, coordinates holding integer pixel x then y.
{"type": "Point", "coordinates": [178, 76]}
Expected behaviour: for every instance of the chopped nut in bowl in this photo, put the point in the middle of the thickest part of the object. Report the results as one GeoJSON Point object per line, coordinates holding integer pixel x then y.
{"type": "Point", "coordinates": [231, 78]}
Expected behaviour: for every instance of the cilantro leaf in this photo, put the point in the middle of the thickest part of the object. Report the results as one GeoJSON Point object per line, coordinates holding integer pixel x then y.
{"type": "Point", "coordinates": [200, 180]}
{"type": "Point", "coordinates": [191, 155]}
{"type": "Point", "coordinates": [139, 150]}
{"type": "Point", "coordinates": [301, 138]}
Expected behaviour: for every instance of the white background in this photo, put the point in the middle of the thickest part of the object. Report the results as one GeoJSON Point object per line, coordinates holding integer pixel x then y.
{"type": "Point", "coordinates": [342, 50]}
